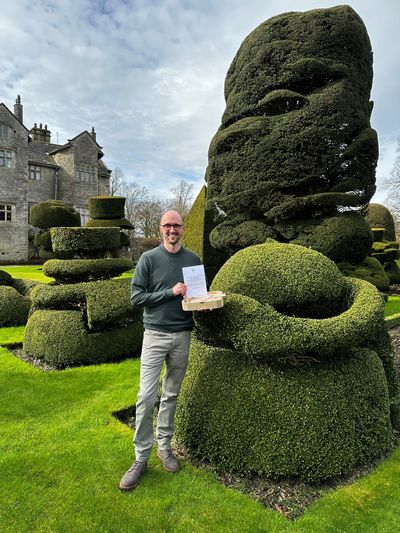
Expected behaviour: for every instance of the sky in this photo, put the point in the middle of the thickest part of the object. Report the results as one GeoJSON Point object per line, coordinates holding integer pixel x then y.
{"type": "Point", "coordinates": [149, 75]}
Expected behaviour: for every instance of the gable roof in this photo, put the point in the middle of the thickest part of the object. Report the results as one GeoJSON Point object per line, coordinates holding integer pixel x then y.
{"type": "Point", "coordinates": [72, 141]}
{"type": "Point", "coordinates": [13, 116]}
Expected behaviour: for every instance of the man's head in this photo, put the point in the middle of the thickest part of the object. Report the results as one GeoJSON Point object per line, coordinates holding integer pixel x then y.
{"type": "Point", "coordinates": [171, 227]}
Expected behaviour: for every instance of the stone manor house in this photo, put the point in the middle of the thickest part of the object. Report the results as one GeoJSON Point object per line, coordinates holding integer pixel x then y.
{"type": "Point", "coordinates": [33, 169]}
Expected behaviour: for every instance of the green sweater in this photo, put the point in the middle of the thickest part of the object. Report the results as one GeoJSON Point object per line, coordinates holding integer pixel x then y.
{"type": "Point", "coordinates": [157, 271]}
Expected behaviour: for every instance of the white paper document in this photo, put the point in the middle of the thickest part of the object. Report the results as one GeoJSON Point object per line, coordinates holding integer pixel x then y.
{"type": "Point", "coordinates": [194, 278]}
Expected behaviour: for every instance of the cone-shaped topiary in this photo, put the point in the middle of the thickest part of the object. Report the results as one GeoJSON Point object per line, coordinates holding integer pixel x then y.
{"type": "Point", "coordinates": [295, 147]}
{"type": "Point", "coordinates": [294, 376]}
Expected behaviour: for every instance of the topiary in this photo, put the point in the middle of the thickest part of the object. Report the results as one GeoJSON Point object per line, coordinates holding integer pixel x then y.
{"type": "Point", "coordinates": [108, 223]}
{"type": "Point", "coordinates": [84, 240]}
{"type": "Point", "coordinates": [379, 216]}
{"type": "Point", "coordinates": [52, 213]}
{"type": "Point", "coordinates": [369, 270]}
{"type": "Point", "coordinates": [198, 226]}
{"type": "Point", "coordinates": [107, 207]}
{"type": "Point", "coordinates": [75, 270]}
{"type": "Point", "coordinates": [5, 278]}
{"type": "Point", "coordinates": [295, 148]}
{"type": "Point", "coordinates": [14, 307]}
{"type": "Point", "coordinates": [274, 388]}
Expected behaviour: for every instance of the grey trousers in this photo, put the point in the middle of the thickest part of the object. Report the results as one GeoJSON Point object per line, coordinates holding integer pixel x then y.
{"type": "Point", "coordinates": [159, 347]}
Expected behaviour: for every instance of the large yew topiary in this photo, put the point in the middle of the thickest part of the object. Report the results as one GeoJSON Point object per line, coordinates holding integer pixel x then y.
{"type": "Point", "coordinates": [294, 376]}
{"type": "Point", "coordinates": [295, 147]}
{"type": "Point", "coordinates": [379, 216]}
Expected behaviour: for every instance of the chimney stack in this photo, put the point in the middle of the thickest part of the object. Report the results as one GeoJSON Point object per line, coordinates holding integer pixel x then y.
{"type": "Point", "coordinates": [40, 134]}
{"type": "Point", "coordinates": [93, 133]}
{"type": "Point", "coordinates": [18, 110]}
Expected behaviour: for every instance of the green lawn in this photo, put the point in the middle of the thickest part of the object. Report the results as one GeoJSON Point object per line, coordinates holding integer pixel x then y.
{"type": "Point", "coordinates": [392, 306]}
{"type": "Point", "coordinates": [62, 454]}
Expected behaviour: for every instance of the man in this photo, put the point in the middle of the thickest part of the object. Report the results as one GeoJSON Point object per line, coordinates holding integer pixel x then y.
{"type": "Point", "coordinates": [158, 286]}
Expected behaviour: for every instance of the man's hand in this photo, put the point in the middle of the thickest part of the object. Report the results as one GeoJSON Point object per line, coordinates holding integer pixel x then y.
{"type": "Point", "coordinates": [179, 288]}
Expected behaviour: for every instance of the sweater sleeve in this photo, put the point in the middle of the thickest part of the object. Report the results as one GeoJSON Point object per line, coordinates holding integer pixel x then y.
{"type": "Point", "coordinates": [140, 295]}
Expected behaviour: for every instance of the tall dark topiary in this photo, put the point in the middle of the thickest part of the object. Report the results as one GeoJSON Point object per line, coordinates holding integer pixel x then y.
{"type": "Point", "coordinates": [295, 151]}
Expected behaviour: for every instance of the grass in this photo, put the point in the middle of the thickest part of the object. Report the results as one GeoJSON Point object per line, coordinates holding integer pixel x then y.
{"type": "Point", "coordinates": [35, 272]}
{"type": "Point", "coordinates": [62, 454]}
{"type": "Point", "coordinates": [12, 335]}
{"type": "Point", "coordinates": [392, 306]}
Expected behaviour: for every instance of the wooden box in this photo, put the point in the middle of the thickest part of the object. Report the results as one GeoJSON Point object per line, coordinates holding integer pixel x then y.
{"type": "Point", "coordinates": [213, 300]}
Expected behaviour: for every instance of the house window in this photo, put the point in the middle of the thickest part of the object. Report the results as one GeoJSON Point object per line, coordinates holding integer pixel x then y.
{"type": "Point", "coordinates": [84, 212]}
{"type": "Point", "coordinates": [34, 172]}
{"type": "Point", "coordinates": [5, 131]}
{"type": "Point", "coordinates": [5, 158]}
{"type": "Point", "coordinates": [85, 173]}
{"type": "Point", "coordinates": [6, 212]}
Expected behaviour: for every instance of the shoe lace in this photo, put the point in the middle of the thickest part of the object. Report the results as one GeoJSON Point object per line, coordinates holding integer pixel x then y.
{"type": "Point", "coordinates": [135, 464]}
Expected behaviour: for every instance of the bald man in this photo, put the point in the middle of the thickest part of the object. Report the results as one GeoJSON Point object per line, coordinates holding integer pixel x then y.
{"type": "Point", "coordinates": [157, 285]}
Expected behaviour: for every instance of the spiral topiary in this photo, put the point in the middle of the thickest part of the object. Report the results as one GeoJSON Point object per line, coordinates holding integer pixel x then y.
{"type": "Point", "coordinates": [294, 376]}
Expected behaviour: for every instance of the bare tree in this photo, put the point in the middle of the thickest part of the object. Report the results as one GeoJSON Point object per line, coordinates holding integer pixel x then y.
{"type": "Point", "coordinates": [392, 186]}
{"type": "Point", "coordinates": [117, 181]}
{"type": "Point", "coordinates": [136, 196]}
{"type": "Point", "coordinates": [182, 196]}
{"type": "Point", "coordinates": [150, 214]}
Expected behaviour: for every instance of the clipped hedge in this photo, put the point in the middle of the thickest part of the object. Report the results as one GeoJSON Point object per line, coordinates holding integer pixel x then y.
{"type": "Point", "coordinates": [108, 223]}
{"type": "Point", "coordinates": [14, 307]}
{"type": "Point", "coordinates": [75, 270]}
{"type": "Point", "coordinates": [81, 240]}
{"type": "Point", "coordinates": [25, 286]}
{"type": "Point", "coordinates": [5, 278]}
{"type": "Point", "coordinates": [369, 270]}
{"type": "Point", "coordinates": [379, 216]}
{"type": "Point", "coordinates": [106, 207]}
{"type": "Point", "coordinates": [392, 270]}
{"type": "Point", "coordinates": [61, 339]}
{"type": "Point", "coordinates": [104, 302]}
{"type": "Point", "coordinates": [271, 274]}
{"type": "Point", "coordinates": [52, 213]}
{"type": "Point", "coordinates": [272, 391]}
{"type": "Point", "coordinates": [311, 422]}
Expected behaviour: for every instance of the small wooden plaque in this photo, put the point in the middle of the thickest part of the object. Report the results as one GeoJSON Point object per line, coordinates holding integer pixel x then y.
{"type": "Point", "coordinates": [213, 300]}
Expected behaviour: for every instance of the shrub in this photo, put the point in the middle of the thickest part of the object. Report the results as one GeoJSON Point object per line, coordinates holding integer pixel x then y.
{"type": "Point", "coordinates": [379, 216]}
{"type": "Point", "coordinates": [378, 233]}
{"type": "Point", "coordinates": [5, 278]}
{"type": "Point", "coordinates": [275, 390]}
{"type": "Point", "coordinates": [369, 270]}
{"type": "Point", "coordinates": [311, 422]}
{"type": "Point", "coordinates": [108, 223]}
{"type": "Point", "coordinates": [106, 207]}
{"type": "Point", "coordinates": [14, 307]}
{"type": "Point", "coordinates": [24, 286]}
{"type": "Point", "coordinates": [295, 147]}
{"type": "Point", "coordinates": [392, 271]}
{"type": "Point", "coordinates": [84, 240]}
{"type": "Point", "coordinates": [75, 270]}
{"type": "Point", "coordinates": [52, 213]}
{"type": "Point", "coordinates": [61, 339]}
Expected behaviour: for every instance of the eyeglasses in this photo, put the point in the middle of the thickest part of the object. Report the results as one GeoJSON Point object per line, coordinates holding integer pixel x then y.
{"type": "Point", "coordinates": [169, 226]}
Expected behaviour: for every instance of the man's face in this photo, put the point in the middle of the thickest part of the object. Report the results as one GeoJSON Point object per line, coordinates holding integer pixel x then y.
{"type": "Point", "coordinates": [171, 228]}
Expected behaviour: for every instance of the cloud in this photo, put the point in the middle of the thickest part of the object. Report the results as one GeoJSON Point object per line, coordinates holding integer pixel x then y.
{"type": "Point", "coordinates": [149, 74]}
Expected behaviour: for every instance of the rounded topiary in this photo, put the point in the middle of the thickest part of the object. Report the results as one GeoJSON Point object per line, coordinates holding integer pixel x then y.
{"type": "Point", "coordinates": [52, 213]}
{"type": "Point", "coordinates": [275, 390]}
{"type": "Point", "coordinates": [392, 270]}
{"type": "Point", "coordinates": [370, 269]}
{"type": "Point", "coordinates": [5, 278]}
{"type": "Point", "coordinates": [106, 207]}
{"type": "Point", "coordinates": [312, 421]}
{"type": "Point", "coordinates": [61, 339]}
{"type": "Point", "coordinates": [379, 216]}
{"type": "Point", "coordinates": [14, 307]}
{"type": "Point", "coordinates": [75, 270]}
{"type": "Point", "coordinates": [291, 279]}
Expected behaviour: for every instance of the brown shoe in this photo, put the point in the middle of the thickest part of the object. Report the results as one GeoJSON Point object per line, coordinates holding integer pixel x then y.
{"type": "Point", "coordinates": [169, 461]}
{"type": "Point", "coordinates": [132, 476]}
